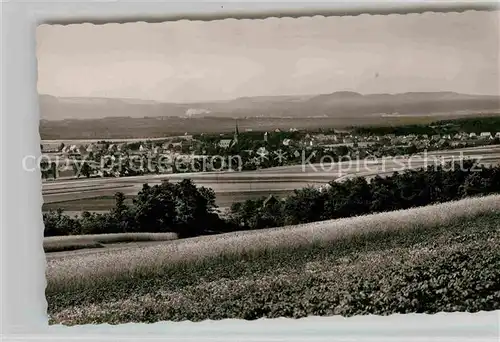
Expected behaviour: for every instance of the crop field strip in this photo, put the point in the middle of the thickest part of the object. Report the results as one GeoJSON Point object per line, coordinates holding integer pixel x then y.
{"type": "Point", "coordinates": [83, 189]}
{"type": "Point", "coordinates": [63, 243]}
{"type": "Point", "coordinates": [104, 203]}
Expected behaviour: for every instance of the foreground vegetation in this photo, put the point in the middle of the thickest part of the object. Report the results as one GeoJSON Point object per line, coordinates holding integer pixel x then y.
{"type": "Point", "coordinates": [437, 258]}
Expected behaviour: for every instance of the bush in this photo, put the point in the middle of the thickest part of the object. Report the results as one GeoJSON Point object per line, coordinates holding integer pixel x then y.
{"type": "Point", "coordinates": [57, 223]}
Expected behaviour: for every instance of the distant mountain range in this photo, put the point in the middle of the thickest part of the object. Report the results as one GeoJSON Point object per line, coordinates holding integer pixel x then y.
{"type": "Point", "coordinates": [337, 104]}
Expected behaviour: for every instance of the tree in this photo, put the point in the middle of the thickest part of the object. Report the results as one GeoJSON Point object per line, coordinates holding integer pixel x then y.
{"type": "Point", "coordinates": [270, 213]}
{"type": "Point", "coordinates": [123, 214]}
{"type": "Point", "coordinates": [53, 167]}
{"type": "Point", "coordinates": [245, 213]}
{"type": "Point", "coordinates": [155, 208]}
{"type": "Point", "coordinates": [58, 223]}
{"type": "Point", "coordinates": [342, 150]}
{"type": "Point", "coordinates": [177, 207]}
{"type": "Point", "coordinates": [383, 198]}
{"type": "Point", "coordinates": [412, 149]}
{"type": "Point", "coordinates": [86, 169]}
{"type": "Point", "coordinates": [193, 206]}
{"type": "Point", "coordinates": [44, 169]}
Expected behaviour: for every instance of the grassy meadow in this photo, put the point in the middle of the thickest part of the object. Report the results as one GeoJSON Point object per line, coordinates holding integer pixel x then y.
{"type": "Point", "coordinates": [443, 257]}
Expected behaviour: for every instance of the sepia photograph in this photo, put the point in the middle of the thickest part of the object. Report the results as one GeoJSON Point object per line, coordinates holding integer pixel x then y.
{"type": "Point", "coordinates": [270, 168]}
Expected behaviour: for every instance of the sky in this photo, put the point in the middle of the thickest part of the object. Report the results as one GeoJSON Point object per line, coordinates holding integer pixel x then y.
{"type": "Point", "coordinates": [189, 61]}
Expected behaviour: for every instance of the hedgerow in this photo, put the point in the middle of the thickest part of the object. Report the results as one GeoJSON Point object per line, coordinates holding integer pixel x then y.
{"type": "Point", "coordinates": [357, 196]}
{"type": "Point", "coordinates": [188, 210]}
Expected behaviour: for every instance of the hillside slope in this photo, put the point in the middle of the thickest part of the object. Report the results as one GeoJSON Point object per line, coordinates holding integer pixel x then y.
{"type": "Point", "coordinates": [333, 105]}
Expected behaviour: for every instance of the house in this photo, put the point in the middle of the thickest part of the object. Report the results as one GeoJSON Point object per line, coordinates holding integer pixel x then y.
{"type": "Point", "coordinates": [425, 136]}
{"type": "Point", "coordinates": [277, 130]}
{"type": "Point", "coordinates": [321, 137]}
{"type": "Point", "coordinates": [177, 145]}
{"type": "Point", "coordinates": [50, 147]}
{"type": "Point", "coordinates": [447, 136]}
{"type": "Point", "coordinates": [65, 149]}
{"type": "Point", "coordinates": [472, 135]}
{"type": "Point", "coordinates": [397, 140]}
{"type": "Point", "coordinates": [286, 142]}
{"type": "Point", "coordinates": [70, 149]}
{"type": "Point", "coordinates": [262, 151]}
{"type": "Point", "coordinates": [464, 137]}
{"type": "Point", "coordinates": [485, 135]}
{"type": "Point", "coordinates": [309, 142]}
{"type": "Point", "coordinates": [364, 144]}
{"type": "Point", "coordinates": [91, 148]}
{"type": "Point", "coordinates": [435, 137]}
{"type": "Point", "coordinates": [497, 135]}
{"type": "Point", "coordinates": [226, 143]}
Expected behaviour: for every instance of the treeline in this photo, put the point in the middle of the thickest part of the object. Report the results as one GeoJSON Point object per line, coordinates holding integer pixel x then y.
{"type": "Point", "coordinates": [188, 210]}
{"type": "Point", "coordinates": [468, 125]}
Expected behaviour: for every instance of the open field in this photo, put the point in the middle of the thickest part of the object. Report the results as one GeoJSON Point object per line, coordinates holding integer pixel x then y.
{"type": "Point", "coordinates": [96, 194]}
{"type": "Point", "coordinates": [429, 259]}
